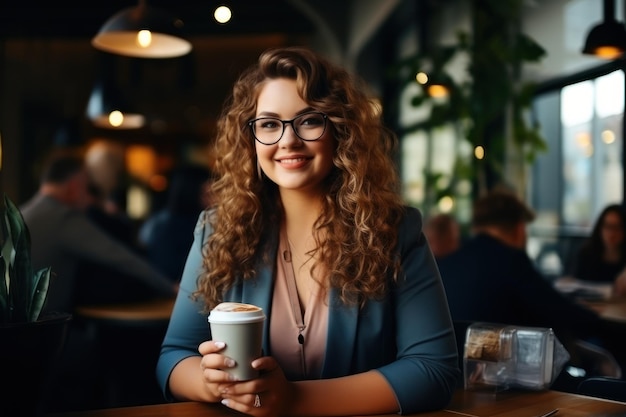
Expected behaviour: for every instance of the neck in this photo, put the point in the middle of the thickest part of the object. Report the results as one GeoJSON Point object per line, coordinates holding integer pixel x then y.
{"type": "Point", "coordinates": [301, 212]}
{"type": "Point", "coordinates": [58, 192]}
{"type": "Point", "coordinates": [612, 254]}
{"type": "Point", "coordinates": [512, 237]}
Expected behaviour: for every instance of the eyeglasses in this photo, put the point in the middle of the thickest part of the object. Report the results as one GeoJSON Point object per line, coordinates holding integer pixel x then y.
{"type": "Point", "coordinates": [308, 127]}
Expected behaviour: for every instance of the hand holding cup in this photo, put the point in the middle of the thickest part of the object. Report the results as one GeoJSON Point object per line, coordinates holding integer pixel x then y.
{"type": "Point", "coordinates": [240, 326]}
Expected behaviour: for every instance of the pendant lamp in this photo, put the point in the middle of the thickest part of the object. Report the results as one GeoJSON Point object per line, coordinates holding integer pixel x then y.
{"type": "Point", "coordinates": [607, 39]}
{"type": "Point", "coordinates": [142, 32]}
{"type": "Point", "coordinates": [108, 106]}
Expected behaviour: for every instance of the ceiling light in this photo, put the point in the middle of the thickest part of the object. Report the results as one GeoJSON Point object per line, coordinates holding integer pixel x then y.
{"type": "Point", "coordinates": [108, 107]}
{"type": "Point", "coordinates": [142, 32]}
{"type": "Point", "coordinates": [105, 112]}
{"type": "Point", "coordinates": [222, 14]}
{"type": "Point", "coordinates": [607, 39]}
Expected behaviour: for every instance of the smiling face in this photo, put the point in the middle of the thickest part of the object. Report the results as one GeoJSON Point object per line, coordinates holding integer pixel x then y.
{"type": "Point", "coordinates": [291, 163]}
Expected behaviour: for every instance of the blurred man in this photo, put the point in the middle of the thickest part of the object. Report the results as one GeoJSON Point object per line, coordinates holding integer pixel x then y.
{"type": "Point", "coordinates": [443, 233]}
{"type": "Point", "coordinates": [62, 235]}
{"type": "Point", "coordinates": [491, 278]}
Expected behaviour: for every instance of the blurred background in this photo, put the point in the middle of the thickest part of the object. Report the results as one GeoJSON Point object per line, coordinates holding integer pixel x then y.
{"type": "Point", "coordinates": [568, 160]}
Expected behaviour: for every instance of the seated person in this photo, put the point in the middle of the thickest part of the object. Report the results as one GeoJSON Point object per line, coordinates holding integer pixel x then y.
{"type": "Point", "coordinates": [166, 235]}
{"type": "Point", "coordinates": [491, 277]}
{"type": "Point", "coordinates": [603, 255]}
{"type": "Point", "coordinates": [443, 233]}
{"type": "Point", "coordinates": [303, 226]}
{"type": "Point", "coordinates": [62, 235]}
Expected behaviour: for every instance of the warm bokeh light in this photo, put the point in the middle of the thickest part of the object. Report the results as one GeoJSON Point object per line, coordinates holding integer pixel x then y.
{"type": "Point", "coordinates": [437, 91]}
{"type": "Point", "coordinates": [116, 118]}
{"type": "Point", "coordinates": [137, 202]}
{"type": "Point", "coordinates": [141, 162]}
{"type": "Point", "coordinates": [421, 77]}
{"type": "Point", "coordinates": [583, 139]}
{"type": "Point", "coordinates": [479, 152]}
{"type": "Point", "coordinates": [158, 183]}
{"type": "Point", "coordinates": [144, 38]}
{"type": "Point", "coordinates": [446, 204]}
{"type": "Point", "coordinates": [608, 52]}
{"type": "Point", "coordinates": [608, 136]}
{"type": "Point", "coordinates": [222, 14]}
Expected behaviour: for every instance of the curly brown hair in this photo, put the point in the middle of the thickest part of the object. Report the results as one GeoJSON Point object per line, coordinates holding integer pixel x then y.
{"type": "Point", "coordinates": [356, 232]}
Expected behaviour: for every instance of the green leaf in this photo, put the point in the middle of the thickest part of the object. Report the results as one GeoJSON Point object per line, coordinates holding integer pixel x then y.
{"type": "Point", "coordinates": [42, 282]}
{"type": "Point", "coordinates": [22, 293]}
{"type": "Point", "coordinates": [21, 282]}
{"type": "Point", "coordinates": [4, 293]}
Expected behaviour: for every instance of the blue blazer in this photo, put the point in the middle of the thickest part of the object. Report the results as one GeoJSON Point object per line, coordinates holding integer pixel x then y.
{"type": "Point", "coordinates": [407, 335]}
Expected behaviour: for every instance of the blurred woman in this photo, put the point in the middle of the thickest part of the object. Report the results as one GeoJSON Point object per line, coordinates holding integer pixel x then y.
{"type": "Point", "coordinates": [603, 256]}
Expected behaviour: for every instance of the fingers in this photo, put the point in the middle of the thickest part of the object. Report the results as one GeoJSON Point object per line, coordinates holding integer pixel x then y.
{"type": "Point", "coordinates": [265, 363]}
{"type": "Point", "coordinates": [213, 364]}
{"type": "Point", "coordinates": [247, 403]}
{"type": "Point", "coordinates": [211, 347]}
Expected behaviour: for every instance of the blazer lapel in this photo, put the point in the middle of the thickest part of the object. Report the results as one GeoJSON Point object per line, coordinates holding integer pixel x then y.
{"type": "Point", "coordinates": [341, 337]}
{"type": "Point", "coordinates": [259, 291]}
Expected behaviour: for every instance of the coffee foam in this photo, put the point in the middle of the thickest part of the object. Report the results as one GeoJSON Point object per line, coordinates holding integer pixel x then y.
{"type": "Point", "coordinates": [236, 313]}
{"type": "Point", "coordinates": [236, 307]}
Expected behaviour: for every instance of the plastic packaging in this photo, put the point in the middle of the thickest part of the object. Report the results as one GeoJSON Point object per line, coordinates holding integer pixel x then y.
{"type": "Point", "coordinates": [505, 356]}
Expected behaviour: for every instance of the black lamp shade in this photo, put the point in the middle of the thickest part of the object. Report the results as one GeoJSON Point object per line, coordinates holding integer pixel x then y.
{"type": "Point", "coordinates": [607, 39]}
{"type": "Point", "coordinates": [108, 108]}
{"type": "Point", "coordinates": [161, 34]}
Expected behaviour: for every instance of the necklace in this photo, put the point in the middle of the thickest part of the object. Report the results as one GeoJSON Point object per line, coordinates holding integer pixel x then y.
{"type": "Point", "coordinates": [292, 288]}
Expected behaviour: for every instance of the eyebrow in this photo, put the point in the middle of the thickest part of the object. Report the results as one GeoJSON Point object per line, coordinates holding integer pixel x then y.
{"type": "Point", "coordinates": [271, 114]}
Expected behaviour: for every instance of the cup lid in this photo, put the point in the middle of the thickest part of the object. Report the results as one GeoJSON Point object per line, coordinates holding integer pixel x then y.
{"type": "Point", "coordinates": [236, 313]}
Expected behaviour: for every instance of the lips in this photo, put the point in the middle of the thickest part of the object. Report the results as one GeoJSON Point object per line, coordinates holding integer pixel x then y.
{"type": "Point", "coordinates": [293, 161]}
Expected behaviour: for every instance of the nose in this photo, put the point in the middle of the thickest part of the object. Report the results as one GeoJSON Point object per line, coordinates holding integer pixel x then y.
{"type": "Point", "coordinates": [289, 137]}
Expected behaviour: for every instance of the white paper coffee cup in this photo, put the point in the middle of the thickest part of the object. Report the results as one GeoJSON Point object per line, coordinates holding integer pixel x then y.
{"type": "Point", "coordinates": [240, 326]}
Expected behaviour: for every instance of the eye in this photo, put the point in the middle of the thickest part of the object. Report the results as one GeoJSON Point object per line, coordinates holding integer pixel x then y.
{"type": "Point", "coordinates": [312, 119]}
{"type": "Point", "coordinates": [268, 124]}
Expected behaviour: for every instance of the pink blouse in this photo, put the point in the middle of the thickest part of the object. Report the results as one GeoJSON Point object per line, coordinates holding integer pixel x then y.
{"type": "Point", "coordinates": [297, 342]}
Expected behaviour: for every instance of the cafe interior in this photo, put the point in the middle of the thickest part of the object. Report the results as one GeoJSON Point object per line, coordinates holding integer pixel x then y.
{"type": "Point", "coordinates": [66, 80]}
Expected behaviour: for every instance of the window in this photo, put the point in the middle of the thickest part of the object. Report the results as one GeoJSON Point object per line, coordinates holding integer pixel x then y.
{"type": "Point", "coordinates": [582, 172]}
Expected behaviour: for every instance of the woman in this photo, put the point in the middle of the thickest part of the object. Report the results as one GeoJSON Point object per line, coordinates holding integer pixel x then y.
{"type": "Point", "coordinates": [307, 197]}
{"type": "Point", "coordinates": [603, 256]}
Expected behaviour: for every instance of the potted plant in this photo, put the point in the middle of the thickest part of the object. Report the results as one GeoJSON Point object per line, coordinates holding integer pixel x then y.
{"type": "Point", "coordinates": [30, 342]}
{"type": "Point", "coordinates": [487, 104]}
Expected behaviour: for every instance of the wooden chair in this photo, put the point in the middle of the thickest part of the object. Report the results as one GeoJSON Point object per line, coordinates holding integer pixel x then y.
{"type": "Point", "coordinates": [603, 387]}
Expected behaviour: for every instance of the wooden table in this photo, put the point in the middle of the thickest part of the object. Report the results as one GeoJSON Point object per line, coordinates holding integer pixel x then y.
{"type": "Point", "coordinates": [129, 313]}
{"type": "Point", "coordinates": [465, 403]}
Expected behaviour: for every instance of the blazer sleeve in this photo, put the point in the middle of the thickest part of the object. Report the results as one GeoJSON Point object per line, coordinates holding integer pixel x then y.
{"type": "Point", "coordinates": [187, 327]}
{"type": "Point", "coordinates": [425, 372]}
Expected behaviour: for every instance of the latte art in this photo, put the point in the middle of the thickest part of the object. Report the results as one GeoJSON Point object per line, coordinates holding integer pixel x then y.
{"type": "Point", "coordinates": [236, 307]}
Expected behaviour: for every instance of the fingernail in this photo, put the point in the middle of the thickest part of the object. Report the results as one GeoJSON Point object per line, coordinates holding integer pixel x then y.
{"type": "Point", "coordinates": [224, 402]}
{"type": "Point", "coordinates": [220, 345]}
{"type": "Point", "coordinates": [229, 362]}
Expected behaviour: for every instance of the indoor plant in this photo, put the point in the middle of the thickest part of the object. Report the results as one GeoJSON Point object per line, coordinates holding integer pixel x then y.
{"type": "Point", "coordinates": [24, 291]}
{"type": "Point", "coordinates": [30, 342]}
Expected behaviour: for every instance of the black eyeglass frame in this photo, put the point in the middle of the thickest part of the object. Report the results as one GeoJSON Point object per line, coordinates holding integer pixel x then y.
{"type": "Point", "coordinates": [288, 122]}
